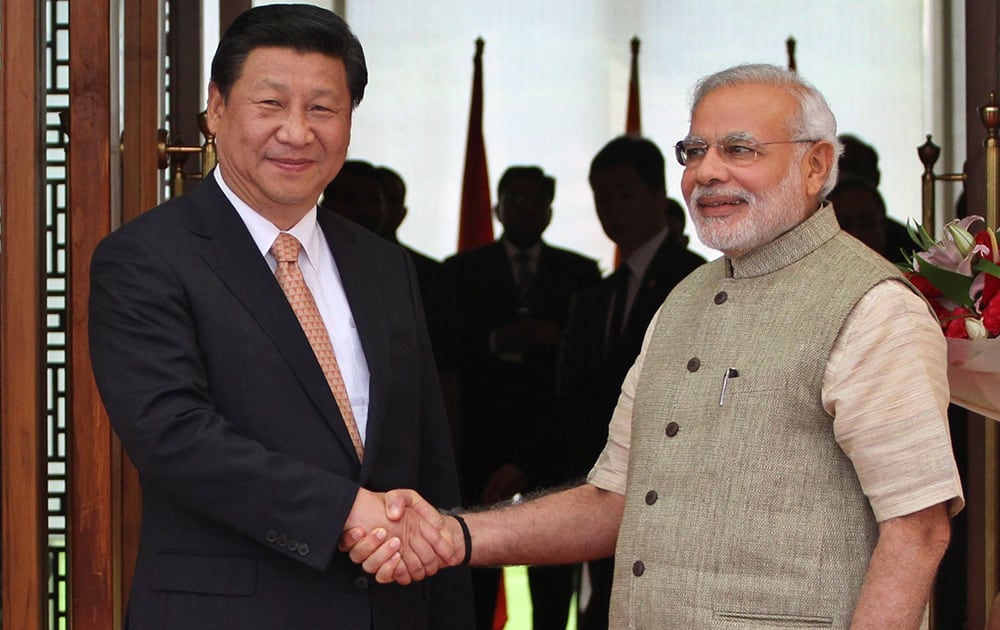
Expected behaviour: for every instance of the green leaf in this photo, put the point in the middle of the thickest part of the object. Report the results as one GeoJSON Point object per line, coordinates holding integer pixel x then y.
{"type": "Point", "coordinates": [952, 285]}
{"type": "Point", "coordinates": [987, 266]}
{"type": "Point", "coordinates": [919, 235]}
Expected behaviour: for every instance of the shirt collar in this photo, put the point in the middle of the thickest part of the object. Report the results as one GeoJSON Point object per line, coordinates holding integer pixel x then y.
{"type": "Point", "coordinates": [640, 259]}
{"type": "Point", "coordinates": [264, 232]}
{"type": "Point", "coordinates": [513, 250]}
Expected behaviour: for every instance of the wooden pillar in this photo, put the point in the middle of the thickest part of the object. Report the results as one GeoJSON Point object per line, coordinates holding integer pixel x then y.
{"type": "Point", "coordinates": [141, 190]}
{"type": "Point", "coordinates": [186, 83]}
{"type": "Point", "coordinates": [228, 10]}
{"type": "Point", "coordinates": [22, 407]}
{"type": "Point", "coordinates": [982, 47]}
{"type": "Point", "coordinates": [94, 544]}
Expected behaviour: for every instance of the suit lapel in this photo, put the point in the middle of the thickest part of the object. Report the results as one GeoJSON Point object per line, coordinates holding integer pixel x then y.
{"type": "Point", "coordinates": [367, 308]}
{"type": "Point", "coordinates": [228, 249]}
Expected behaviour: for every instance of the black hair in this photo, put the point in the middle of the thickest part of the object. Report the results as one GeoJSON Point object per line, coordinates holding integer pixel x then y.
{"type": "Point", "coordinates": [300, 27]}
{"type": "Point", "coordinates": [528, 172]}
{"type": "Point", "coordinates": [636, 153]}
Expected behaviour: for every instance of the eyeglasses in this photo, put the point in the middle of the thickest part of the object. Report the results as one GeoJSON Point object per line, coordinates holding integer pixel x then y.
{"type": "Point", "coordinates": [732, 152]}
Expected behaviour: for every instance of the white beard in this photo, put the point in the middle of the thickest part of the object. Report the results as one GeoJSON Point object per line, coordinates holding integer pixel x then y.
{"type": "Point", "coordinates": [766, 216]}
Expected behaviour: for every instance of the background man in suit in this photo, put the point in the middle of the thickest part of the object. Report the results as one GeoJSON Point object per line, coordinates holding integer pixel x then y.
{"type": "Point", "coordinates": [771, 461]}
{"type": "Point", "coordinates": [860, 159]}
{"type": "Point", "coordinates": [513, 299]}
{"type": "Point", "coordinates": [265, 415]}
{"type": "Point", "coordinates": [607, 322]}
{"type": "Point", "coordinates": [357, 194]}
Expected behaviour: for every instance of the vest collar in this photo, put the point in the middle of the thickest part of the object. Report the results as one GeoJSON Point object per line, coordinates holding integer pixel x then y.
{"type": "Point", "coordinates": [790, 247]}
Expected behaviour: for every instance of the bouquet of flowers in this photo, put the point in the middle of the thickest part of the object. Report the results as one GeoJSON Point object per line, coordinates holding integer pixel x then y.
{"type": "Point", "coordinates": [960, 277]}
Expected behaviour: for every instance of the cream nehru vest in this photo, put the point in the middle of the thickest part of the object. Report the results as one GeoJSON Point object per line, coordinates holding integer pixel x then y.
{"type": "Point", "coordinates": [747, 514]}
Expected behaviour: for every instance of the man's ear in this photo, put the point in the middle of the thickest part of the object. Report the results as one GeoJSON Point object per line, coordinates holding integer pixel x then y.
{"type": "Point", "coordinates": [216, 105]}
{"type": "Point", "coordinates": [817, 165]}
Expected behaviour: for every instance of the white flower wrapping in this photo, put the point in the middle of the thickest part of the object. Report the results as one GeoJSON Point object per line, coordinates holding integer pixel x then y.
{"type": "Point", "coordinates": [974, 375]}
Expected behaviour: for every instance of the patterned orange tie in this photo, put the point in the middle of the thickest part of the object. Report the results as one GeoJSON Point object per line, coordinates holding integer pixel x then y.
{"type": "Point", "coordinates": [286, 250]}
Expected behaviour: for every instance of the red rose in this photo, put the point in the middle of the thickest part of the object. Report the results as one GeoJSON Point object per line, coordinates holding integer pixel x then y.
{"type": "Point", "coordinates": [991, 318]}
{"type": "Point", "coordinates": [923, 285]}
{"type": "Point", "coordinates": [955, 327]}
{"type": "Point", "coordinates": [991, 286]}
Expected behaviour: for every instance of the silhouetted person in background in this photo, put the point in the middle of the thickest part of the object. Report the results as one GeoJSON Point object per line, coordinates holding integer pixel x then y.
{"type": "Point", "coordinates": [513, 298]}
{"type": "Point", "coordinates": [394, 195]}
{"type": "Point", "coordinates": [860, 211]}
{"type": "Point", "coordinates": [861, 160]}
{"type": "Point", "coordinates": [676, 220]}
{"type": "Point", "coordinates": [607, 322]}
{"type": "Point", "coordinates": [356, 193]}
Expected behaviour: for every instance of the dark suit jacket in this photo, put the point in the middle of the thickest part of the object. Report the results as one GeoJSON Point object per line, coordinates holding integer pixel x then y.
{"type": "Point", "coordinates": [591, 369]}
{"type": "Point", "coordinates": [247, 471]}
{"type": "Point", "coordinates": [505, 400]}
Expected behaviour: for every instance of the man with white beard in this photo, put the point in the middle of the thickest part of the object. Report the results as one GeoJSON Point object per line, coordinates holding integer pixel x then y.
{"type": "Point", "coordinates": [771, 461]}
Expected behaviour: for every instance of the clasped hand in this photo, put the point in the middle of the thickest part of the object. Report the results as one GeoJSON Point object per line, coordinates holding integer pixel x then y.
{"type": "Point", "coordinates": [400, 537]}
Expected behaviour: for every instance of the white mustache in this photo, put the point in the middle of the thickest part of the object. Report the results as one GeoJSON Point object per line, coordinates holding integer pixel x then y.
{"type": "Point", "coordinates": [721, 191]}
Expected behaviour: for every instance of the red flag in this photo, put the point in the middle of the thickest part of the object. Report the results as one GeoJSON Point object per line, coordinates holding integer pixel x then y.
{"type": "Point", "coordinates": [500, 612]}
{"type": "Point", "coordinates": [633, 125]}
{"type": "Point", "coordinates": [475, 225]}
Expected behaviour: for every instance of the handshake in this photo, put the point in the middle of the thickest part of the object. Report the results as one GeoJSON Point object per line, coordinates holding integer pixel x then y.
{"type": "Point", "coordinates": [399, 537]}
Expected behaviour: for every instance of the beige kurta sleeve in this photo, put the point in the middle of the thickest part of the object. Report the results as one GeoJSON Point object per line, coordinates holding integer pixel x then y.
{"type": "Point", "coordinates": [611, 470]}
{"type": "Point", "coordinates": [886, 386]}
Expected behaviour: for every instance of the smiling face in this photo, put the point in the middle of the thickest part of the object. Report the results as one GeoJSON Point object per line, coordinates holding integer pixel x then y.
{"type": "Point", "coordinates": [736, 208]}
{"type": "Point", "coordinates": [283, 131]}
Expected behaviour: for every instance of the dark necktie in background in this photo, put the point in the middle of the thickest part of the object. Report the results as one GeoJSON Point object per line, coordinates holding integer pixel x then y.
{"type": "Point", "coordinates": [619, 280]}
{"type": "Point", "coordinates": [525, 274]}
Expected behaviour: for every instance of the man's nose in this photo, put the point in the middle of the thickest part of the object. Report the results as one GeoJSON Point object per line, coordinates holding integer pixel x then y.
{"type": "Point", "coordinates": [295, 129]}
{"type": "Point", "coordinates": [711, 167]}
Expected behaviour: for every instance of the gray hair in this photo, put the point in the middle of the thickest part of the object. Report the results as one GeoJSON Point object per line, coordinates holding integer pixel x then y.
{"type": "Point", "coordinates": [813, 121]}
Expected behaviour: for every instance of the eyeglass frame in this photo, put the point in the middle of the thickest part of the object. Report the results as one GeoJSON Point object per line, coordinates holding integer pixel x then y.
{"type": "Point", "coordinates": [680, 152]}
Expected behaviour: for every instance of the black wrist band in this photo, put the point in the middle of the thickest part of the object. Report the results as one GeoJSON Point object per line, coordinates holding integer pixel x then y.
{"type": "Point", "coordinates": [465, 535]}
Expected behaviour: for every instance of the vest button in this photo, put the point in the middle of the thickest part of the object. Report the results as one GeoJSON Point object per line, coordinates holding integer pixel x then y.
{"type": "Point", "coordinates": [694, 364]}
{"type": "Point", "coordinates": [638, 568]}
{"type": "Point", "coordinates": [651, 497]}
{"type": "Point", "coordinates": [672, 429]}
{"type": "Point", "coordinates": [361, 583]}
{"type": "Point", "coordinates": [721, 297]}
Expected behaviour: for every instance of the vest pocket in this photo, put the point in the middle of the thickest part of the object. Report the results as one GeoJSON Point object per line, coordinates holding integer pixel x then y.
{"type": "Point", "coordinates": [774, 620]}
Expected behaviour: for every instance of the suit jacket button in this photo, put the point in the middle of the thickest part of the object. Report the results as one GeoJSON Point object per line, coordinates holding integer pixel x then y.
{"type": "Point", "coordinates": [721, 297]}
{"type": "Point", "coordinates": [361, 582]}
{"type": "Point", "coordinates": [293, 545]}
{"type": "Point", "coordinates": [282, 540]}
{"type": "Point", "coordinates": [303, 549]}
{"type": "Point", "coordinates": [672, 429]}
{"type": "Point", "coordinates": [638, 568]}
{"type": "Point", "coordinates": [694, 364]}
{"type": "Point", "coordinates": [271, 536]}
{"type": "Point", "coordinates": [651, 497]}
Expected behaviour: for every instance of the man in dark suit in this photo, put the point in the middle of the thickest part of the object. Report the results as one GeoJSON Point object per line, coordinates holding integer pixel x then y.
{"type": "Point", "coordinates": [607, 322]}
{"type": "Point", "coordinates": [513, 299]}
{"type": "Point", "coordinates": [263, 425]}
